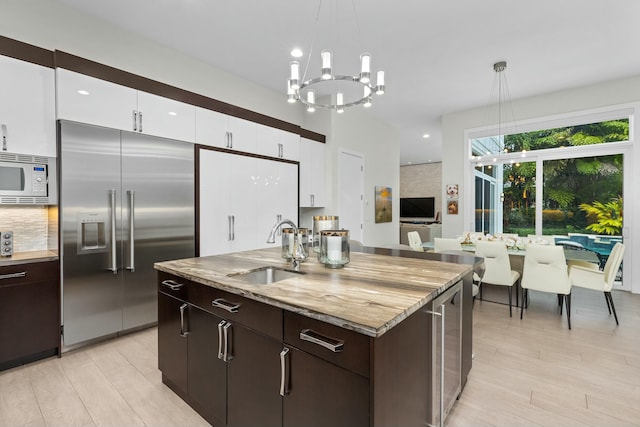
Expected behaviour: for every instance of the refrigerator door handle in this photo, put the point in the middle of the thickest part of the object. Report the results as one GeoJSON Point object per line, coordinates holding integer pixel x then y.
{"type": "Point", "coordinates": [229, 219]}
{"type": "Point", "coordinates": [114, 264]}
{"type": "Point", "coordinates": [135, 120]}
{"type": "Point", "coordinates": [132, 241]}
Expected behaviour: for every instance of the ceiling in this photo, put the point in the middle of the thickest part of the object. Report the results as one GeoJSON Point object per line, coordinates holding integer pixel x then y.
{"type": "Point", "coordinates": [438, 55]}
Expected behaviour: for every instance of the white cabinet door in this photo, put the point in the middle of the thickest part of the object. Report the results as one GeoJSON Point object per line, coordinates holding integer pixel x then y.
{"type": "Point", "coordinates": [166, 117]}
{"type": "Point", "coordinates": [212, 128]}
{"type": "Point", "coordinates": [27, 108]}
{"type": "Point", "coordinates": [312, 173]}
{"type": "Point", "coordinates": [94, 101]}
{"type": "Point", "coordinates": [240, 200]}
{"type": "Point", "coordinates": [278, 143]}
{"type": "Point", "coordinates": [215, 186]}
{"type": "Point", "coordinates": [243, 135]}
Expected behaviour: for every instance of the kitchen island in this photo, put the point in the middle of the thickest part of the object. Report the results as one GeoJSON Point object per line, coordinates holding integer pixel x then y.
{"type": "Point", "coordinates": [322, 347]}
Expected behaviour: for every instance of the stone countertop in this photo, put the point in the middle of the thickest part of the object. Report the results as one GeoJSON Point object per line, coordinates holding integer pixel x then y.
{"type": "Point", "coordinates": [28, 257]}
{"type": "Point", "coordinates": [369, 295]}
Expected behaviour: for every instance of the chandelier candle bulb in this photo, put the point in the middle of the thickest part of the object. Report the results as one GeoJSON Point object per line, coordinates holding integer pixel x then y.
{"type": "Point", "coordinates": [326, 64]}
{"type": "Point", "coordinates": [380, 82]}
{"type": "Point", "coordinates": [365, 67]}
{"type": "Point", "coordinates": [311, 100]}
{"type": "Point", "coordinates": [295, 75]}
{"type": "Point", "coordinates": [291, 94]}
{"type": "Point", "coordinates": [340, 102]}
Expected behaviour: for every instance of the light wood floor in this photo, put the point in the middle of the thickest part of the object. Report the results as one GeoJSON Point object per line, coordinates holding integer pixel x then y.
{"type": "Point", "coordinates": [530, 372]}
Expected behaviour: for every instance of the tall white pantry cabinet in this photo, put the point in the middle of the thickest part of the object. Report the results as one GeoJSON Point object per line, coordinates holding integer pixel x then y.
{"type": "Point", "coordinates": [241, 198]}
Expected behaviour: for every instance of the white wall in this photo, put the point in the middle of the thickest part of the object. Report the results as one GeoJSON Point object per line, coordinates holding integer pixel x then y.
{"type": "Point", "coordinates": [54, 26]}
{"type": "Point", "coordinates": [455, 163]}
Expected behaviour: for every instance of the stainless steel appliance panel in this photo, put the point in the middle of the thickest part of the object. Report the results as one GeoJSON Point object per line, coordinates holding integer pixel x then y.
{"type": "Point", "coordinates": [158, 217]}
{"type": "Point", "coordinates": [127, 201]}
{"type": "Point", "coordinates": [90, 216]}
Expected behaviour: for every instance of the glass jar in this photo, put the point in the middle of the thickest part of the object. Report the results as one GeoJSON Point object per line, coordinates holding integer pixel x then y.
{"type": "Point", "coordinates": [322, 222]}
{"type": "Point", "coordinates": [334, 248]}
{"type": "Point", "coordinates": [287, 241]}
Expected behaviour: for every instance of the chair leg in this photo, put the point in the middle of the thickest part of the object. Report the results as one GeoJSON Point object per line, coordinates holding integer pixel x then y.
{"type": "Point", "coordinates": [613, 307]}
{"type": "Point", "coordinates": [606, 298]}
{"type": "Point", "coordinates": [560, 301]}
{"type": "Point", "coordinates": [509, 289]}
{"type": "Point", "coordinates": [567, 302]}
{"type": "Point", "coordinates": [525, 297]}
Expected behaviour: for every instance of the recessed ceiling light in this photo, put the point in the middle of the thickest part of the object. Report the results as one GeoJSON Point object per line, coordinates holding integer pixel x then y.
{"type": "Point", "coordinates": [296, 52]}
{"type": "Point", "coordinates": [173, 113]}
{"type": "Point", "coordinates": [83, 92]}
{"type": "Point", "coordinates": [426, 135]}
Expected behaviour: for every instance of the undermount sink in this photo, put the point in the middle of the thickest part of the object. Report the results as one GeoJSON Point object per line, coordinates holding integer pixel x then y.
{"type": "Point", "coordinates": [265, 275]}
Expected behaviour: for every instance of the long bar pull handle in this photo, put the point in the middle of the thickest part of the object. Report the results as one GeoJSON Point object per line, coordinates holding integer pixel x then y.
{"type": "Point", "coordinates": [442, 333]}
{"type": "Point", "coordinates": [284, 372]}
{"type": "Point", "coordinates": [233, 227]}
{"type": "Point", "coordinates": [4, 137]}
{"type": "Point", "coordinates": [229, 219]}
{"type": "Point", "coordinates": [132, 235]}
{"type": "Point", "coordinates": [114, 264]}
{"type": "Point", "coordinates": [221, 340]}
{"type": "Point", "coordinates": [135, 120]}
{"type": "Point", "coordinates": [13, 275]}
{"type": "Point", "coordinates": [278, 219]}
{"type": "Point", "coordinates": [280, 151]}
{"type": "Point", "coordinates": [228, 342]}
{"type": "Point", "coordinates": [173, 285]}
{"type": "Point", "coordinates": [313, 200]}
{"type": "Point", "coordinates": [183, 332]}
{"type": "Point", "coordinates": [327, 342]}
{"type": "Point", "coordinates": [226, 139]}
{"type": "Point", "coordinates": [225, 305]}
{"type": "Point", "coordinates": [140, 121]}
{"type": "Point", "coordinates": [230, 139]}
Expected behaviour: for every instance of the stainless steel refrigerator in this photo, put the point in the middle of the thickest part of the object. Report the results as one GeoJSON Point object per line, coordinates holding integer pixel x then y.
{"type": "Point", "coordinates": [126, 201]}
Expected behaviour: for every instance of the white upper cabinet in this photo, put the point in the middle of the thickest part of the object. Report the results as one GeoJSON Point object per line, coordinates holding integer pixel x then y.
{"type": "Point", "coordinates": [219, 130]}
{"type": "Point", "coordinates": [312, 174]}
{"type": "Point", "coordinates": [278, 143]}
{"type": "Point", "coordinates": [90, 100]}
{"type": "Point", "coordinates": [166, 117]}
{"type": "Point", "coordinates": [27, 108]}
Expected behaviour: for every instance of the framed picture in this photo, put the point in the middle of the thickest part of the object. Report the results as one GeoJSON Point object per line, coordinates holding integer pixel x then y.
{"type": "Point", "coordinates": [452, 207]}
{"type": "Point", "coordinates": [452, 191]}
{"type": "Point", "coordinates": [383, 204]}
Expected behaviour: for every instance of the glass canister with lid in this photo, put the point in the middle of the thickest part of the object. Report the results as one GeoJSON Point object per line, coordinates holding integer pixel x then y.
{"type": "Point", "coordinates": [334, 249]}
{"type": "Point", "coordinates": [323, 222]}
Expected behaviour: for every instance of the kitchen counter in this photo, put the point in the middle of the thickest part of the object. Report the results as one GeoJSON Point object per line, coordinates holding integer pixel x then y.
{"type": "Point", "coordinates": [29, 257]}
{"type": "Point", "coordinates": [369, 295]}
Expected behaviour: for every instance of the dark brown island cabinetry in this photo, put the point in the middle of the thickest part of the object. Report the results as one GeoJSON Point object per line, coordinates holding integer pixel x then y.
{"type": "Point", "coordinates": [240, 362]}
{"type": "Point", "coordinates": [29, 312]}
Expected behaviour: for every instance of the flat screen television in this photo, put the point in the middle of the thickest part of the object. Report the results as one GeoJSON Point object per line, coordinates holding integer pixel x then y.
{"type": "Point", "coordinates": [417, 207]}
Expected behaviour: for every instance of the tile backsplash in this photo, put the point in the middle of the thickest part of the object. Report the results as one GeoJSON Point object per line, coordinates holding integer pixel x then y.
{"type": "Point", "coordinates": [34, 227]}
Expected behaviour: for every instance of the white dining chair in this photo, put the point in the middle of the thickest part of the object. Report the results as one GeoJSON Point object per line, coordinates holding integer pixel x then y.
{"type": "Point", "coordinates": [415, 241]}
{"type": "Point", "coordinates": [545, 270]}
{"type": "Point", "coordinates": [551, 240]}
{"type": "Point", "coordinates": [592, 278]}
{"type": "Point", "coordinates": [441, 244]}
{"type": "Point", "coordinates": [497, 266]}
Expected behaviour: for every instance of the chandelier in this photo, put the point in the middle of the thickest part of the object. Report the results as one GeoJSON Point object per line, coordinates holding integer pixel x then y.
{"type": "Point", "coordinates": [331, 90]}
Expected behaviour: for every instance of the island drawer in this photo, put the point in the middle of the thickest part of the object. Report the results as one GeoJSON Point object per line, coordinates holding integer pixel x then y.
{"type": "Point", "coordinates": [334, 344]}
{"type": "Point", "coordinates": [173, 285]}
{"type": "Point", "coordinates": [255, 315]}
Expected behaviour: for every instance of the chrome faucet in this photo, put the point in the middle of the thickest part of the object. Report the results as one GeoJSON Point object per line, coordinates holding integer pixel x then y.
{"type": "Point", "coordinates": [298, 253]}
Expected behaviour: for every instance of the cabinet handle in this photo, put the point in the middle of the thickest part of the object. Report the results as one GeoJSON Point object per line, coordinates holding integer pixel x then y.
{"type": "Point", "coordinates": [229, 220]}
{"type": "Point", "coordinates": [230, 139]}
{"type": "Point", "coordinates": [114, 265]}
{"type": "Point", "coordinates": [140, 121]}
{"type": "Point", "coordinates": [135, 120]}
{"type": "Point", "coordinates": [278, 219]}
{"type": "Point", "coordinates": [313, 200]}
{"type": "Point", "coordinates": [4, 137]}
{"type": "Point", "coordinates": [226, 139]}
{"type": "Point", "coordinates": [322, 340]}
{"type": "Point", "coordinates": [183, 332]}
{"type": "Point", "coordinates": [220, 340]}
{"type": "Point", "coordinates": [226, 305]}
{"type": "Point", "coordinates": [13, 275]}
{"type": "Point", "coordinates": [172, 284]}
{"type": "Point", "coordinates": [284, 372]}
{"type": "Point", "coordinates": [228, 341]}
{"type": "Point", "coordinates": [280, 151]}
{"type": "Point", "coordinates": [233, 227]}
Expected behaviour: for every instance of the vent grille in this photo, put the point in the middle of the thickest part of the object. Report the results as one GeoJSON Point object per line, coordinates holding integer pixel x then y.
{"type": "Point", "coordinates": [23, 158]}
{"type": "Point", "coordinates": [7, 200]}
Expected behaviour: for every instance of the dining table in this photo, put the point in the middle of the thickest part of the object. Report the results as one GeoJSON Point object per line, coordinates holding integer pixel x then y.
{"type": "Point", "coordinates": [495, 293]}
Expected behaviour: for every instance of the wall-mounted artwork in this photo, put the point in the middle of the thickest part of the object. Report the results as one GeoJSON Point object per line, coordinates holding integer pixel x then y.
{"type": "Point", "coordinates": [452, 199]}
{"type": "Point", "coordinates": [383, 204]}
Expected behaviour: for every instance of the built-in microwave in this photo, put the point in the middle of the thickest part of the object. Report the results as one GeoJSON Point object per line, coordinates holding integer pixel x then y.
{"type": "Point", "coordinates": [27, 180]}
